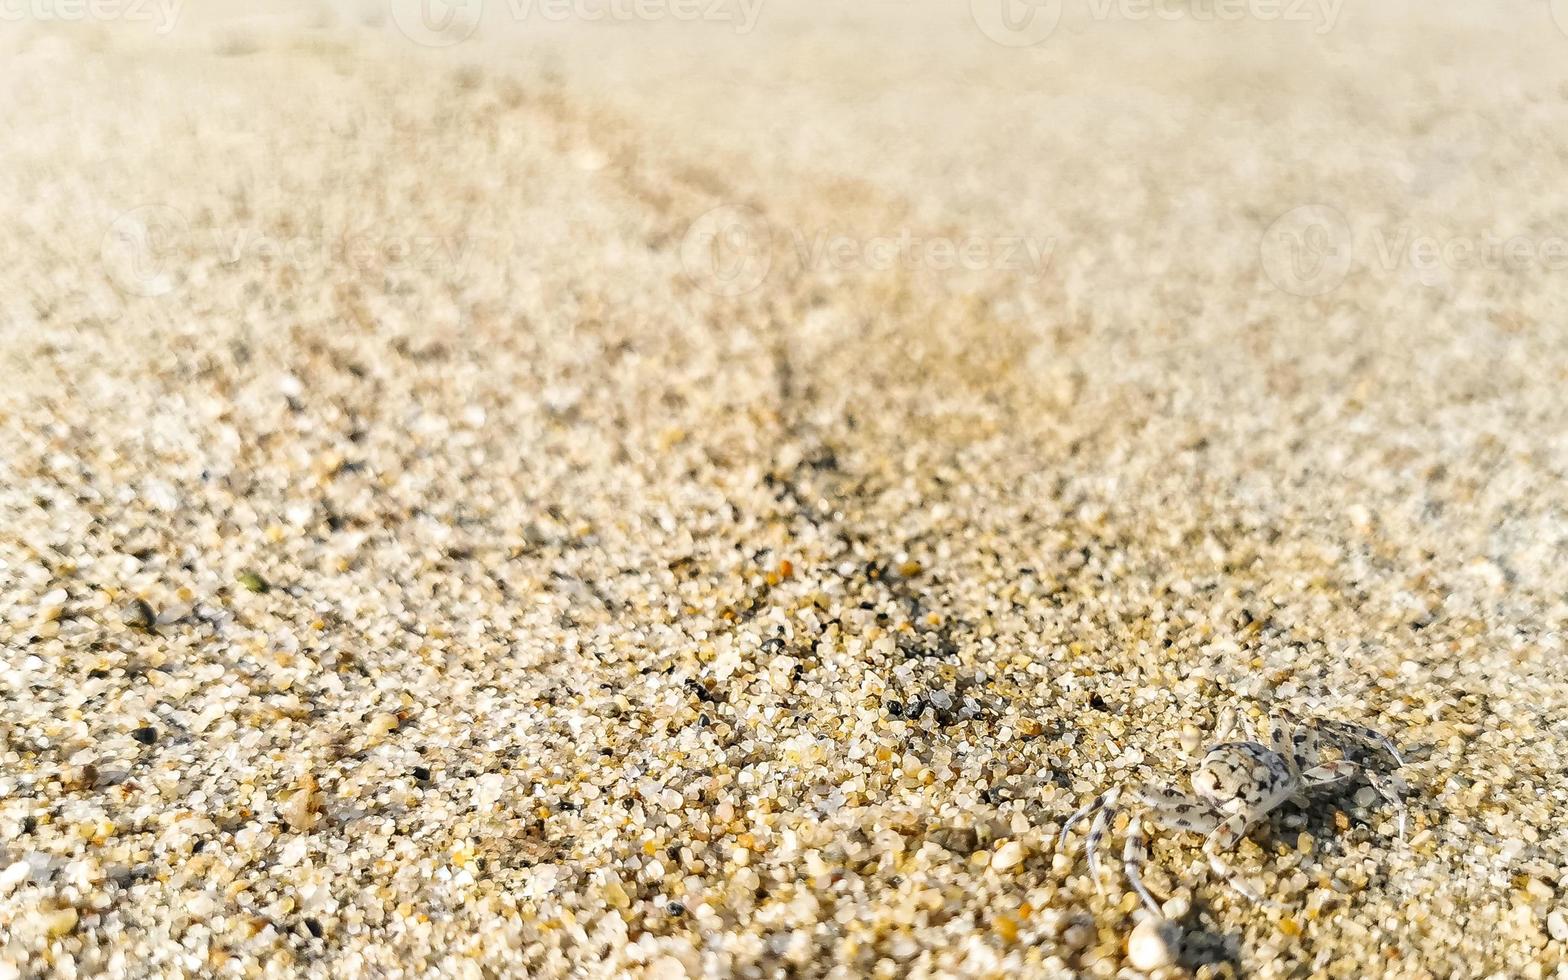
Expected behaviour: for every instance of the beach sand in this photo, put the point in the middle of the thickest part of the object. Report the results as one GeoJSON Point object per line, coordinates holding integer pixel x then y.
{"type": "Point", "coordinates": [709, 496]}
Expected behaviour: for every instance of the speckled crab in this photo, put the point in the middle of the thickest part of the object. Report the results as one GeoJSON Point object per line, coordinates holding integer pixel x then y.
{"type": "Point", "coordinates": [1237, 785]}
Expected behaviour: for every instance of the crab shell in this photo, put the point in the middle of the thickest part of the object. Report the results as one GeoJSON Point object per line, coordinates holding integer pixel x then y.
{"type": "Point", "coordinates": [1244, 778]}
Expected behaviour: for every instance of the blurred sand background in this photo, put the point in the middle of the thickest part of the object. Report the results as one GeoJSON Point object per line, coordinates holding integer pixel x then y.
{"type": "Point", "coordinates": [482, 500]}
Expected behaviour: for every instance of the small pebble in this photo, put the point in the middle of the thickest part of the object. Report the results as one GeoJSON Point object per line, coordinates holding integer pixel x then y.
{"type": "Point", "coordinates": [1557, 925]}
{"type": "Point", "coordinates": [1078, 935]}
{"type": "Point", "coordinates": [1177, 906]}
{"type": "Point", "coordinates": [139, 615]}
{"type": "Point", "coordinates": [53, 923]}
{"type": "Point", "coordinates": [1008, 855]}
{"type": "Point", "coordinates": [302, 809]}
{"type": "Point", "coordinates": [14, 874]}
{"type": "Point", "coordinates": [1152, 944]}
{"type": "Point", "coordinates": [665, 968]}
{"type": "Point", "coordinates": [81, 777]}
{"type": "Point", "coordinates": [52, 606]}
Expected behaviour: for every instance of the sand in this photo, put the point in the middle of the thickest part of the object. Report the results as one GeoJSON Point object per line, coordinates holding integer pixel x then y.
{"type": "Point", "coordinates": [669, 496]}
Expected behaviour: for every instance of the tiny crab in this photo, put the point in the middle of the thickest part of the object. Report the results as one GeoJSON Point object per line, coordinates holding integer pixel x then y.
{"type": "Point", "coordinates": [1237, 785]}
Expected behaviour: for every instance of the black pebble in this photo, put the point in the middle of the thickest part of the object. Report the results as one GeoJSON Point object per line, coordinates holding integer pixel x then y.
{"type": "Point", "coordinates": [894, 708]}
{"type": "Point", "coordinates": [422, 774]}
{"type": "Point", "coordinates": [676, 908]}
{"type": "Point", "coordinates": [314, 927]}
{"type": "Point", "coordinates": [145, 735]}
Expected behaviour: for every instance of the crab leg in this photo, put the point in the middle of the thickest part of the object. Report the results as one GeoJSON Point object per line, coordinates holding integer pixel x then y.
{"type": "Point", "coordinates": [1186, 816]}
{"type": "Point", "coordinates": [1175, 810]}
{"type": "Point", "coordinates": [1329, 774]}
{"type": "Point", "coordinates": [1304, 743]}
{"type": "Point", "coordinates": [1097, 830]}
{"type": "Point", "coordinates": [1333, 773]}
{"type": "Point", "coordinates": [1134, 852]}
{"type": "Point", "coordinates": [1361, 735]}
{"type": "Point", "coordinates": [1280, 741]}
{"type": "Point", "coordinates": [1386, 788]}
{"type": "Point", "coordinates": [1164, 796]}
{"type": "Point", "coordinates": [1107, 798]}
{"type": "Point", "coordinates": [1226, 838]}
